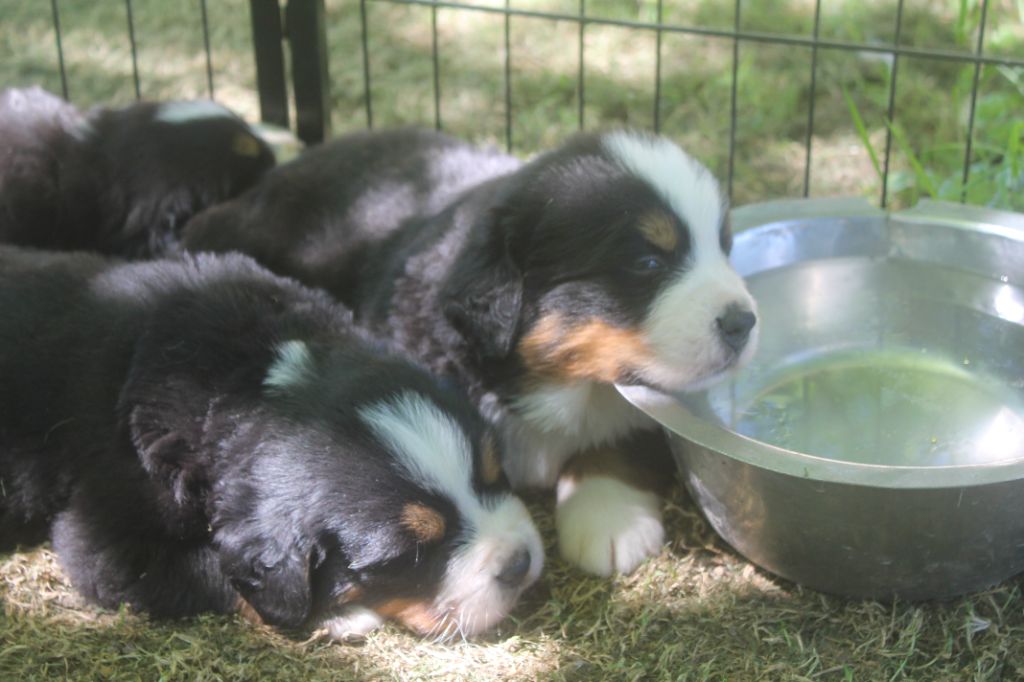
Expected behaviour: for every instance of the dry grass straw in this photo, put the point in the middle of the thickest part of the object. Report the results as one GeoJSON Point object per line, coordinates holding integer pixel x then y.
{"type": "Point", "coordinates": [696, 612]}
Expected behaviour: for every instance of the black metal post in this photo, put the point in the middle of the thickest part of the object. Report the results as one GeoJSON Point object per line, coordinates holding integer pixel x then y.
{"type": "Point", "coordinates": [267, 36]}
{"type": "Point", "coordinates": [307, 38]}
{"type": "Point", "coordinates": [60, 49]}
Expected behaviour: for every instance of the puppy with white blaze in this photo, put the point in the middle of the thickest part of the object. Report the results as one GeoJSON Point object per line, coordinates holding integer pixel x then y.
{"type": "Point", "coordinates": [537, 286]}
{"type": "Point", "coordinates": [121, 181]}
{"type": "Point", "coordinates": [201, 435]}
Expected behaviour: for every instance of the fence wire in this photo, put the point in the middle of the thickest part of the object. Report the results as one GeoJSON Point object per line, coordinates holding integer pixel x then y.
{"type": "Point", "coordinates": [894, 51]}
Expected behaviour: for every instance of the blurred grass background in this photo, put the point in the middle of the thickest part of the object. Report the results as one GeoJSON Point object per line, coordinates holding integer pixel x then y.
{"type": "Point", "coordinates": [698, 611]}
{"type": "Point", "coordinates": [850, 97]}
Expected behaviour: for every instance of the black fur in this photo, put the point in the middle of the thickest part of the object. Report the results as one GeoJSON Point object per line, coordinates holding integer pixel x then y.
{"type": "Point", "coordinates": [136, 422]}
{"type": "Point", "coordinates": [320, 217]}
{"type": "Point", "coordinates": [454, 271]}
{"type": "Point", "coordinates": [116, 181]}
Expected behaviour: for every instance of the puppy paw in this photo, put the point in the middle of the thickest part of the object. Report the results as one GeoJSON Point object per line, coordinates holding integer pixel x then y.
{"type": "Point", "coordinates": [605, 525]}
{"type": "Point", "coordinates": [353, 624]}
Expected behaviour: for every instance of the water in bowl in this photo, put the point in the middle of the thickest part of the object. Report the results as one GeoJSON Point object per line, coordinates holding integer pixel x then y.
{"type": "Point", "coordinates": [892, 407]}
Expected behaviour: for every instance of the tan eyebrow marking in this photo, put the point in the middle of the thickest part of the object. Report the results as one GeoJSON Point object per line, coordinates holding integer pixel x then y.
{"type": "Point", "coordinates": [659, 229]}
{"type": "Point", "coordinates": [245, 145]}
{"type": "Point", "coordinates": [490, 462]}
{"type": "Point", "coordinates": [425, 523]}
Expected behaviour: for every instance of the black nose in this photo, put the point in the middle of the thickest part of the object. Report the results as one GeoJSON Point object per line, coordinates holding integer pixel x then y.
{"type": "Point", "coordinates": [735, 326]}
{"type": "Point", "coordinates": [515, 569]}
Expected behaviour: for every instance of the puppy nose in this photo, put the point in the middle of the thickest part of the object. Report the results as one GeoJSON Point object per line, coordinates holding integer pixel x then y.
{"type": "Point", "coordinates": [515, 569]}
{"type": "Point", "coordinates": [735, 325]}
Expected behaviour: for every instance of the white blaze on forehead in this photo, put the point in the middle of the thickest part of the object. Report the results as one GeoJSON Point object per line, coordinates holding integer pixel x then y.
{"type": "Point", "coordinates": [680, 180]}
{"type": "Point", "coordinates": [429, 445]}
{"type": "Point", "coordinates": [190, 110]}
{"type": "Point", "coordinates": [294, 364]}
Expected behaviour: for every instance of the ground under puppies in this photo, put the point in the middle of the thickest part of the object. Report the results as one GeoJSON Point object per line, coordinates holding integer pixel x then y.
{"type": "Point", "coordinates": [204, 436]}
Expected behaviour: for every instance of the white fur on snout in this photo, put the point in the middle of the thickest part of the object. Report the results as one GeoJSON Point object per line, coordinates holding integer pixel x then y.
{"type": "Point", "coordinates": [605, 525]}
{"type": "Point", "coordinates": [471, 597]}
{"type": "Point", "coordinates": [682, 326]}
{"type": "Point", "coordinates": [436, 453]}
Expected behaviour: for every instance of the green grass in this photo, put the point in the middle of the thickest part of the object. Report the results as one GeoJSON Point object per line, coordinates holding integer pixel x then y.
{"type": "Point", "coordinates": [698, 611]}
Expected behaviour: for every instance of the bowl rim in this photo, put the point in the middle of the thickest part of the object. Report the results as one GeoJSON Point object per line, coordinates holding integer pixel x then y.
{"type": "Point", "coordinates": [681, 422]}
{"type": "Point", "coordinates": [675, 418]}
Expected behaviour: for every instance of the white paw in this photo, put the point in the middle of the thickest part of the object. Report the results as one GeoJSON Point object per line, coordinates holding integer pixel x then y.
{"type": "Point", "coordinates": [353, 624]}
{"type": "Point", "coordinates": [605, 525]}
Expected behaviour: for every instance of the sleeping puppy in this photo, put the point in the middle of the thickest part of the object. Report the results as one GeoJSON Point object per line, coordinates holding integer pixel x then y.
{"type": "Point", "coordinates": [117, 181]}
{"type": "Point", "coordinates": [538, 288]}
{"type": "Point", "coordinates": [204, 436]}
{"type": "Point", "coordinates": [314, 217]}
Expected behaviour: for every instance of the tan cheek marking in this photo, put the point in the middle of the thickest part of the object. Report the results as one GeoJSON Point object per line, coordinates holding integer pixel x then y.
{"type": "Point", "coordinates": [425, 523]}
{"type": "Point", "coordinates": [348, 596]}
{"type": "Point", "coordinates": [659, 230]}
{"type": "Point", "coordinates": [490, 462]}
{"type": "Point", "coordinates": [593, 350]}
{"type": "Point", "coordinates": [245, 145]}
{"type": "Point", "coordinates": [246, 611]}
{"type": "Point", "coordinates": [414, 614]}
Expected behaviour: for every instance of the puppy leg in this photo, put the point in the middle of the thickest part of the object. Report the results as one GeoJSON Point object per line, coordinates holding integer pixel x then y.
{"type": "Point", "coordinates": [609, 506]}
{"type": "Point", "coordinates": [354, 623]}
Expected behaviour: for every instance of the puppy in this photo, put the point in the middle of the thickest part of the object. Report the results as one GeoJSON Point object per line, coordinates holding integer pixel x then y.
{"type": "Point", "coordinates": [204, 436]}
{"type": "Point", "coordinates": [537, 286]}
{"type": "Point", "coordinates": [117, 181]}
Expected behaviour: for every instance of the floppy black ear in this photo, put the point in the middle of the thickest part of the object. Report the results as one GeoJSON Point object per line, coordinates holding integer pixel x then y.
{"type": "Point", "coordinates": [273, 577]}
{"type": "Point", "coordinates": [483, 297]}
{"type": "Point", "coordinates": [165, 423]}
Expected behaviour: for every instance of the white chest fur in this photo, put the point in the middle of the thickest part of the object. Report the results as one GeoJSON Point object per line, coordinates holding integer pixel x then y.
{"type": "Point", "coordinates": [553, 422]}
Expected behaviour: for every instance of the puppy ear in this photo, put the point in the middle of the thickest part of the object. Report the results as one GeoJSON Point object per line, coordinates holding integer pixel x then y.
{"type": "Point", "coordinates": [483, 298]}
{"type": "Point", "coordinates": [221, 228]}
{"type": "Point", "coordinates": [273, 578]}
{"type": "Point", "coordinates": [165, 421]}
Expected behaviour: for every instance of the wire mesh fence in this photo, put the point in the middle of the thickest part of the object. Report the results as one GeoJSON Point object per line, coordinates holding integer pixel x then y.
{"type": "Point", "coordinates": [892, 99]}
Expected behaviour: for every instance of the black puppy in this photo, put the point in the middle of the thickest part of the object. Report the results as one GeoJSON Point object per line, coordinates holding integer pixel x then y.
{"type": "Point", "coordinates": [538, 286]}
{"type": "Point", "coordinates": [198, 432]}
{"type": "Point", "coordinates": [118, 181]}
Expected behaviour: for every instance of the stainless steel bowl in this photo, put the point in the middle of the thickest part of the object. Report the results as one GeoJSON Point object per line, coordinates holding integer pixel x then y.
{"type": "Point", "coordinates": [875, 446]}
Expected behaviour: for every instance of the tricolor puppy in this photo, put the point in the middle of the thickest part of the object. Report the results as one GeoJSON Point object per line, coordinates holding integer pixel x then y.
{"type": "Point", "coordinates": [205, 436]}
{"type": "Point", "coordinates": [538, 286]}
{"type": "Point", "coordinates": [118, 181]}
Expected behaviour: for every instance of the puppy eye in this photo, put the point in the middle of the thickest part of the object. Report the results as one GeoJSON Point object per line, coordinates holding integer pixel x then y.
{"type": "Point", "coordinates": [648, 265]}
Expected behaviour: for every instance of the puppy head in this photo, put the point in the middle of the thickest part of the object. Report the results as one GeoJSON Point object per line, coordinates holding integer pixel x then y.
{"type": "Point", "coordinates": [368, 488]}
{"type": "Point", "coordinates": [607, 260]}
{"type": "Point", "coordinates": [166, 162]}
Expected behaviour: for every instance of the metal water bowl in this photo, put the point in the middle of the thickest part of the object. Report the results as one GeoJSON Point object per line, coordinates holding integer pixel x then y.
{"type": "Point", "coordinates": [875, 445]}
